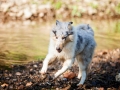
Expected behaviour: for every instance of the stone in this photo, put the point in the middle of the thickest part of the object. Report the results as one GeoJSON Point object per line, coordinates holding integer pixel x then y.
{"type": "Point", "coordinates": [18, 73]}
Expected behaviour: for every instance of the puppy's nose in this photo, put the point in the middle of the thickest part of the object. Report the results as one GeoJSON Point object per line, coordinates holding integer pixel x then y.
{"type": "Point", "coordinates": [58, 49]}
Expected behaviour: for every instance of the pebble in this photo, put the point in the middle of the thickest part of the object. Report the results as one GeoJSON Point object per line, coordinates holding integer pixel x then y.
{"type": "Point", "coordinates": [4, 85]}
{"type": "Point", "coordinates": [64, 79]}
{"type": "Point", "coordinates": [48, 83]}
{"type": "Point", "coordinates": [43, 76]}
{"type": "Point", "coordinates": [69, 75]}
{"type": "Point", "coordinates": [18, 73]}
{"type": "Point", "coordinates": [118, 77]}
{"type": "Point", "coordinates": [14, 80]}
{"type": "Point", "coordinates": [29, 84]}
{"type": "Point", "coordinates": [107, 76]}
{"type": "Point", "coordinates": [35, 66]}
{"type": "Point", "coordinates": [21, 87]}
{"type": "Point", "coordinates": [27, 9]}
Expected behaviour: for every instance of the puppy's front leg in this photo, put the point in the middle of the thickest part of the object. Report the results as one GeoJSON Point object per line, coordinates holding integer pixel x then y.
{"type": "Point", "coordinates": [45, 63]}
{"type": "Point", "coordinates": [66, 65]}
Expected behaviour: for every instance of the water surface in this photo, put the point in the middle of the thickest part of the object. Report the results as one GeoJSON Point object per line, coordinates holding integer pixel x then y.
{"type": "Point", "coordinates": [22, 44]}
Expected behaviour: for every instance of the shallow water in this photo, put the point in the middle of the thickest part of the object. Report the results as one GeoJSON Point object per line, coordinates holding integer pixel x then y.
{"type": "Point", "coordinates": [22, 44]}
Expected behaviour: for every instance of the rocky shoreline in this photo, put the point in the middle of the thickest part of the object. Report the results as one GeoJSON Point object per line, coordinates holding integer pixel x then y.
{"type": "Point", "coordinates": [43, 10]}
{"type": "Point", "coordinates": [103, 74]}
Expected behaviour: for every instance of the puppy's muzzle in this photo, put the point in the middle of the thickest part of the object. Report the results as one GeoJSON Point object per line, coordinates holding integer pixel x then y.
{"type": "Point", "coordinates": [58, 49]}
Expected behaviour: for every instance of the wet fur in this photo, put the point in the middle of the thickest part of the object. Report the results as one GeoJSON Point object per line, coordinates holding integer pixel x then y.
{"type": "Point", "coordinates": [78, 46]}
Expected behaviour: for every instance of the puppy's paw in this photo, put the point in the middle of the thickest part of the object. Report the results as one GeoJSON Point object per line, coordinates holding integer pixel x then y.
{"type": "Point", "coordinates": [43, 71]}
{"type": "Point", "coordinates": [80, 86]}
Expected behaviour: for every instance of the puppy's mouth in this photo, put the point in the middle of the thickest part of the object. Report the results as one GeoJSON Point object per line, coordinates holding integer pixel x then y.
{"type": "Point", "coordinates": [59, 50]}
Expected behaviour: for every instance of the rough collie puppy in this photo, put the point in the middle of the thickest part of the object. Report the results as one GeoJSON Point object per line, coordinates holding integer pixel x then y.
{"type": "Point", "coordinates": [69, 43]}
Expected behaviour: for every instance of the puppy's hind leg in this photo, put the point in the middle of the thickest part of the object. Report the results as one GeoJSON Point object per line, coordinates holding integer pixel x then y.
{"type": "Point", "coordinates": [82, 72]}
{"type": "Point", "coordinates": [86, 57]}
{"type": "Point", "coordinates": [78, 62]}
{"type": "Point", "coordinates": [83, 64]}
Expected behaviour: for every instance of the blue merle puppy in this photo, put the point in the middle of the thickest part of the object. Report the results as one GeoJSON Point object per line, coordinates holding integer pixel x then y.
{"type": "Point", "coordinates": [69, 43]}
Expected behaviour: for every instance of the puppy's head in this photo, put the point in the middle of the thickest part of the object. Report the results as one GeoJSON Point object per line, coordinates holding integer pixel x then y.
{"type": "Point", "coordinates": [62, 34]}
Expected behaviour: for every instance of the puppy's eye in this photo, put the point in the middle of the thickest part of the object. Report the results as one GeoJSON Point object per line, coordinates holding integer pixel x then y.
{"type": "Point", "coordinates": [56, 37]}
{"type": "Point", "coordinates": [63, 37]}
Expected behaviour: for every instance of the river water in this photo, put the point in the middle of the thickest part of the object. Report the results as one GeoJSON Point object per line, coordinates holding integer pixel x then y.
{"type": "Point", "coordinates": [20, 44]}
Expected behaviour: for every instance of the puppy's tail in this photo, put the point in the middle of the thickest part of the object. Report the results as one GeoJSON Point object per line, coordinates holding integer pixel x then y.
{"type": "Point", "coordinates": [87, 28]}
{"type": "Point", "coordinates": [90, 30]}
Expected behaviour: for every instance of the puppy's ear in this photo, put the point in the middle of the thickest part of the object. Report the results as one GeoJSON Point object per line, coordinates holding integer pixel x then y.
{"type": "Point", "coordinates": [54, 32]}
{"type": "Point", "coordinates": [70, 22]}
{"type": "Point", "coordinates": [88, 26]}
{"type": "Point", "coordinates": [70, 26]}
{"type": "Point", "coordinates": [57, 22]}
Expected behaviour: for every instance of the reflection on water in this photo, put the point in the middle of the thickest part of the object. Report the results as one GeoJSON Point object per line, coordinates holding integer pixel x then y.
{"type": "Point", "coordinates": [25, 44]}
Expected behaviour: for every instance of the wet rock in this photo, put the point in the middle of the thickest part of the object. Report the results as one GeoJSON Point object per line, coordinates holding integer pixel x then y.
{"type": "Point", "coordinates": [104, 53]}
{"type": "Point", "coordinates": [101, 75]}
{"type": "Point", "coordinates": [64, 79]}
{"type": "Point", "coordinates": [11, 87]}
{"type": "Point", "coordinates": [118, 77]}
{"type": "Point", "coordinates": [27, 13]}
{"type": "Point", "coordinates": [14, 80]}
{"type": "Point", "coordinates": [80, 86]}
{"type": "Point", "coordinates": [35, 66]}
{"type": "Point", "coordinates": [49, 77]}
{"type": "Point", "coordinates": [69, 75]}
{"type": "Point", "coordinates": [40, 10]}
{"type": "Point", "coordinates": [29, 84]}
{"type": "Point", "coordinates": [20, 13]}
{"type": "Point", "coordinates": [21, 87]}
{"type": "Point", "coordinates": [18, 73]}
{"type": "Point", "coordinates": [43, 76]}
{"type": "Point", "coordinates": [4, 85]}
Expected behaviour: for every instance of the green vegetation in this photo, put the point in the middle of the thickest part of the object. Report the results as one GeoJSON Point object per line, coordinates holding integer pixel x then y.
{"type": "Point", "coordinates": [118, 8]}
{"type": "Point", "coordinates": [57, 5]}
{"type": "Point", "coordinates": [75, 11]}
{"type": "Point", "coordinates": [95, 6]}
